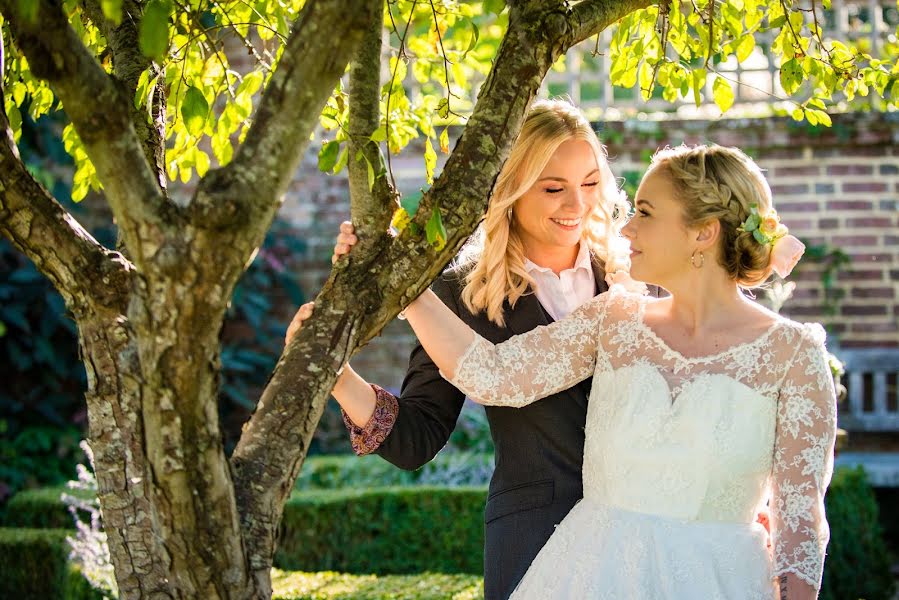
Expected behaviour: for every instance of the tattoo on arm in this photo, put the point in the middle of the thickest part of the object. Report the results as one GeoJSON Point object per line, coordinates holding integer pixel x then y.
{"type": "Point", "coordinates": [783, 586]}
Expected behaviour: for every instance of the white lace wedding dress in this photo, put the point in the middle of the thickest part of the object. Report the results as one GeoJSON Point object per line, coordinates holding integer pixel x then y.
{"type": "Point", "coordinates": [681, 454]}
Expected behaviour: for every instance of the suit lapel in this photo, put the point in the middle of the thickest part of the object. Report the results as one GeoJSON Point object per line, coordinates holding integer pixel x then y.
{"type": "Point", "coordinates": [599, 274]}
{"type": "Point", "coordinates": [526, 315]}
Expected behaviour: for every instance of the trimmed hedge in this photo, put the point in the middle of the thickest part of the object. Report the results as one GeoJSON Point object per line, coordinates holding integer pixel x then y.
{"type": "Point", "coordinates": [40, 508]}
{"type": "Point", "coordinates": [858, 563]}
{"type": "Point", "coordinates": [340, 471]}
{"type": "Point", "coordinates": [384, 531]}
{"type": "Point", "coordinates": [294, 585]}
{"type": "Point", "coordinates": [35, 565]}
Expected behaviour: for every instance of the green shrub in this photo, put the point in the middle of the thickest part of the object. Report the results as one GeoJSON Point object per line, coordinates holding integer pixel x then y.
{"type": "Point", "coordinates": [857, 564]}
{"type": "Point", "coordinates": [452, 469]}
{"type": "Point", "coordinates": [384, 531]}
{"type": "Point", "coordinates": [39, 508]}
{"type": "Point", "coordinates": [35, 565]}
{"type": "Point", "coordinates": [336, 586]}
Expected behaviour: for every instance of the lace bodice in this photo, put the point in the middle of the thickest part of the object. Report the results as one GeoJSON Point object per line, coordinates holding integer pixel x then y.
{"type": "Point", "coordinates": [711, 438]}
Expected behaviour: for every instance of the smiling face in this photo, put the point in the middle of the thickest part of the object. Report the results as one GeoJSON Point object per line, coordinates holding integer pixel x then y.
{"type": "Point", "coordinates": [661, 243]}
{"type": "Point", "coordinates": [552, 213]}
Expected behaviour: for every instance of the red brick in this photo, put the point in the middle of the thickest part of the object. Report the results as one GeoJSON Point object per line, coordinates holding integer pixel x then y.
{"type": "Point", "coordinates": [864, 187]}
{"type": "Point", "coordinates": [854, 310]}
{"type": "Point", "coordinates": [849, 205]}
{"type": "Point", "coordinates": [786, 207]}
{"type": "Point", "coordinates": [780, 153]}
{"type": "Point", "coordinates": [863, 275]}
{"type": "Point", "coordinates": [869, 344]}
{"type": "Point", "coordinates": [801, 224]}
{"type": "Point", "coordinates": [870, 222]}
{"type": "Point", "coordinates": [854, 240]}
{"type": "Point", "coordinates": [883, 327]}
{"type": "Point", "coordinates": [805, 311]}
{"type": "Point", "coordinates": [806, 293]}
{"type": "Point", "coordinates": [791, 189]}
{"type": "Point", "coordinates": [870, 257]}
{"type": "Point", "coordinates": [812, 170]}
{"type": "Point", "coordinates": [877, 292]}
{"type": "Point", "coordinates": [850, 170]}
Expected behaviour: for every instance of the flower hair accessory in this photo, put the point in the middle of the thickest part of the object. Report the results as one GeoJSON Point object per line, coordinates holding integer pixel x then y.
{"type": "Point", "coordinates": [786, 249]}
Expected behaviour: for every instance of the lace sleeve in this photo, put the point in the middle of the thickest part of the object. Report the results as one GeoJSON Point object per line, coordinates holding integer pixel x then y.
{"type": "Point", "coordinates": [532, 365]}
{"type": "Point", "coordinates": [803, 461]}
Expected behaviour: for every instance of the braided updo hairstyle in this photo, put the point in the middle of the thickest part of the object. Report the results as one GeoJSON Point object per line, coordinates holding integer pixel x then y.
{"type": "Point", "coordinates": [714, 182]}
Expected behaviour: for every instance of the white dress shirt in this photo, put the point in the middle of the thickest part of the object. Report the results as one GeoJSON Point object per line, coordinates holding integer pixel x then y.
{"type": "Point", "coordinates": [561, 294]}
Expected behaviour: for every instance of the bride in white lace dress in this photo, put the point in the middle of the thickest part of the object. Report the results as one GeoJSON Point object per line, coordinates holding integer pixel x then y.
{"type": "Point", "coordinates": [705, 406]}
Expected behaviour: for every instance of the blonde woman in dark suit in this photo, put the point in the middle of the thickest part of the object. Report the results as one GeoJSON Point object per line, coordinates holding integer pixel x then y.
{"type": "Point", "coordinates": [543, 250]}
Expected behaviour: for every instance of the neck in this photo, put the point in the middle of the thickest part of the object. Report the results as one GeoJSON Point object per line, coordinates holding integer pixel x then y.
{"type": "Point", "coordinates": [556, 258]}
{"type": "Point", "coordinates": [705, 301]}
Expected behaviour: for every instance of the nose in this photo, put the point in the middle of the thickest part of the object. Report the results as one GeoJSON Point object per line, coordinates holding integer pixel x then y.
{"type": "Point", "coordinates": [628, 230]}
{"type": "Point", "coordinates": [579, 200]}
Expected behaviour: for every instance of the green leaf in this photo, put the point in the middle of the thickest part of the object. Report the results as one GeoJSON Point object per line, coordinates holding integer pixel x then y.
{"type": "Point", "coordinates": [699, 76]}
{"type": "Point", "coordinates": [341, 161]}
{"type": "Point", "coordinates": [435, 231]}
{"type": "Point", "coordinates": [112, 10]}
{"type": "Point", "coordinates": [154, 29]}
{"type": "Point", "coordinates": [724, 94]}
{"type": "Point", "coordinates": [745, 47]}
{"type": "Point", "coordinates": [194, 110]}
{"type": "Point", "coordinates": [371, 173]}
{"type": "Point", "coordinates": [790, 76]}
{"type": "Point", "coordinates": [327, 157]}
{"type": "Point", "coordinates": [444, 141]}
{"type": "Point", "coordinates": [430, 160]}
{"type": "Point", "coordinates": [202, 162]}
{"type": "Point", "coordinates": [475, 34]}
{"type": "Point", "coordinates": [443, 108]}
{"type": "Point", "coordinates": [379, 135]}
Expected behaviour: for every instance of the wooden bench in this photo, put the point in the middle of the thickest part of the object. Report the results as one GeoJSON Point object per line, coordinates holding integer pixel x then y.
{"type": "Point", "coordinates": [871, 407]}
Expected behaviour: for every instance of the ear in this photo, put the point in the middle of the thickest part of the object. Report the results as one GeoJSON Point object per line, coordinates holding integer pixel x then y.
{"type": "Point", "coordinates": [707, 234]}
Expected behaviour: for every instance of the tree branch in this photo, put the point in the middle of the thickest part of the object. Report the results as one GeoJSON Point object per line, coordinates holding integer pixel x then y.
{"type": "Point", "coordinates": [371, 208]}
{"type": "Point", "coordinates": [592, 16]}
{"type": "Point", "coordinates": [359, 300]}
{"type": "Point", "coordinates": [99, 110]}
{"type": "Point", "coordinates": [248, 190]}
{"type": "Point", "coordinates": [88, 275]}
{"type": "Point", "coordinates": [128, 63]}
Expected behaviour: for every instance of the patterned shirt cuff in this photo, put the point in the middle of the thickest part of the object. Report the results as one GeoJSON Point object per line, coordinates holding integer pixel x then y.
{"type": "Point", "coordinates": [369, 438]}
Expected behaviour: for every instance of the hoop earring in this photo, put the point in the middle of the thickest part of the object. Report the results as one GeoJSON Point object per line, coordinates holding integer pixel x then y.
{"type": "Point", "coordinates": [701, 259]}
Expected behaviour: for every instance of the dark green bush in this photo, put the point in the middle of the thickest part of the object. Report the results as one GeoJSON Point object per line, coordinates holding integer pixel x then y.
{"type": "Point", "coordinates": [451, 469]}
{"type": "Point", "coordinates": [35, 565]}
{"type": "Point", "coordinates": [39, 508]}
{"type": "Point", "coordinates": [857, 564]}
{"type": "Point", "coordinates": [384, 531]}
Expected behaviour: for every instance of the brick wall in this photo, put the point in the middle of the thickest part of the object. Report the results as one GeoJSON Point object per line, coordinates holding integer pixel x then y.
{"type": "Point", "coordinates": [837, 186]}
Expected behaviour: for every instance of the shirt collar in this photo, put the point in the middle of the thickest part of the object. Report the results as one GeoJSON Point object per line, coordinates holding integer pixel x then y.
{"type": "Point", "coordinates": [581, 262]}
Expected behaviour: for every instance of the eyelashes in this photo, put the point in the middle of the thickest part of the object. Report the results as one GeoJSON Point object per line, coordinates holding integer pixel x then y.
{"type": "Point", "coordinates": [557, 190]}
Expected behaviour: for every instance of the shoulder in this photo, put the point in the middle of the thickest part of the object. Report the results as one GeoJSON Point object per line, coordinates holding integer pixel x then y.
{"type": "Point", "coordinates": [804, 335]}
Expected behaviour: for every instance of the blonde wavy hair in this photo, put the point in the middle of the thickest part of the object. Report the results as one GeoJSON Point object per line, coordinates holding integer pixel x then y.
{"type": "Point", "coordinates": [715, 182]}
{"type": "Point", "coordinates": [493, 259]}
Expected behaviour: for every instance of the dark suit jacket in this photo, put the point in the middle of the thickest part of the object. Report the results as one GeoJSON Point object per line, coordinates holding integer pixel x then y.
{"type": "Point", "coordinates": [539, 448]}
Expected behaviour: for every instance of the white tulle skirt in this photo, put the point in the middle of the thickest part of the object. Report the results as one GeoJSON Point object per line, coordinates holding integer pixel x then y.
{"type": "Point", "coordinates": [600, 552]}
